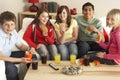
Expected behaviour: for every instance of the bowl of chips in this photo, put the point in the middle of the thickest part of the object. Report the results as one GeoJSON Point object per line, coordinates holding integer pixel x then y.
{"type": "Point", "coordinates": [71, 70]}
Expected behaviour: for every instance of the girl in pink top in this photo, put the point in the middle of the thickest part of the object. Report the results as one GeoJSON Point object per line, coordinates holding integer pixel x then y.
{"type": "Point", "coordinates": [113, 47]}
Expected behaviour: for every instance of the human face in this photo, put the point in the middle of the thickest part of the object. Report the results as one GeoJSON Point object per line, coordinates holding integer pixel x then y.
{"type": "Point", "coordinates": [63, 15]}
{"type": "Point", "coordinates": [8, 26]}
{"type": "Point", "coordinates": [44, 17]}
{"type": "Point", "coordinates": [110, 21]}
{"type": "Point", "coordinates": [88, 13]}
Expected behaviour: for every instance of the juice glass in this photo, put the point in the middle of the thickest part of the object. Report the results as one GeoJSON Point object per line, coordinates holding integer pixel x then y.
{"type": "Point", "coordinates": [28, 55]}
{"type": "Point", "coordinates": [57, 58]}
{"type": "Point", "coordinates": [72, 58]}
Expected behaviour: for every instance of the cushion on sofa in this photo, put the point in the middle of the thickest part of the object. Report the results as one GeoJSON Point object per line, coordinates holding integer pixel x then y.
{"type": "Point", "coordinates": [2, 70]}
{"type": "Point", "coordinates": [106, 29]}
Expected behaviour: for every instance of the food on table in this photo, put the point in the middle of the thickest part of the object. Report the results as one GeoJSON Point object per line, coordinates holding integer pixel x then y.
{"type": "Point", "coordinates": [71, 70]}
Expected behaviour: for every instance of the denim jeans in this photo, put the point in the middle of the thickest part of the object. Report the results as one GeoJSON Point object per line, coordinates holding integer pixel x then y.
{"type": "Point", "coordinates": [49, 50]}
{"type": "Point", "coordinates": [66, 49]}
{"type": "Point", "coordinates": [103, 60]}
{"type": "Point", "coordinates": [11, 71]}
{"type": "Point", "coordinates": [85, 46]}
{"type": "Point", "coordinates": [10, 68]}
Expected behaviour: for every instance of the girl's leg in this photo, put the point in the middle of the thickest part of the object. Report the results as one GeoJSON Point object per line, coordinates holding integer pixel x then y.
{"type": "Point", "coordinates": [52, 50]}
{"type": "Point", "coordinates": [72, 47]}
{"type": "Point", "coordinates": [43, 51]}
{"type": "Point", "coordinates": [63, 50]}
{"type": "Point", "coordinates": [94, 46]}
{"type": "Point", "coordinates": [103, 60]}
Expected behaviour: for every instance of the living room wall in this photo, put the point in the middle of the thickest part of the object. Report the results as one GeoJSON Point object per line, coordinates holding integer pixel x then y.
{"type": "Point", "coordinates": [101, 6]}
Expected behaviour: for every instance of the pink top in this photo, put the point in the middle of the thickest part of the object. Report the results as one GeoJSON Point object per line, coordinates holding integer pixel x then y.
{"type": "Point", "coordinates": [113, 47]}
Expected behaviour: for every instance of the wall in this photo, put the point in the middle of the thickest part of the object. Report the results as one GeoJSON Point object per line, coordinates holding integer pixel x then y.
{"type": "Point", "coordinates": [101, 6]}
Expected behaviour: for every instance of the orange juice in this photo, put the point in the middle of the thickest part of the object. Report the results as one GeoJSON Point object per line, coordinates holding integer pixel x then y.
{"type": "Point", "coordinates": [57, 58]}
{"type": "Point", "coordinates": [72, 58]}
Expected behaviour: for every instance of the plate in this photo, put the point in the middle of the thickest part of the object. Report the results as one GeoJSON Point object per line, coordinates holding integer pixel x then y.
{"type": "Point", "coordinates": [71, 70]}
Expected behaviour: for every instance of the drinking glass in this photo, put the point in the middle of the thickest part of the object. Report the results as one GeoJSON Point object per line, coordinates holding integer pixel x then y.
{"type": "Point", "coordinates": [57, 58]}
{"type": "Point", "coordinates": [72, 58]}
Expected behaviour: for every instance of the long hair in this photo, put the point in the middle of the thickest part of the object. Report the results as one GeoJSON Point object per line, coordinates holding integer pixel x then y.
{"type": "Point", "coordinates": [36, 19]}
{"type": "Point", "coordinates": [115, 14]}
{"type": "Point", "coordinates": [59, 11]}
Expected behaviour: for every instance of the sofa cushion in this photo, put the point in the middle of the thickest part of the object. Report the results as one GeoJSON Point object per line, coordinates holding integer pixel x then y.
{"type": "Point", "coordinates": [2, 70]}
{"type": "Point", "coordinates": [106, 29]}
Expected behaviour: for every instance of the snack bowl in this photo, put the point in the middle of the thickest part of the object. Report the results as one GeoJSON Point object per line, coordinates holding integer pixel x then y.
{"type": "Point", "coordinates": [71, 70]}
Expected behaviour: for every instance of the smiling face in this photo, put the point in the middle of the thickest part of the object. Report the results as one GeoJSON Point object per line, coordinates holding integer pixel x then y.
{"type": "Point", "coordinates": [113, 18]}
{"type": "Point", "coordinates": [8, 26]}
{"type": "Point", "coordinates": [63, 15]}
{"type": "Point", "coordinates": [44, 17]}
{"type": "Point", "coordinates": [110, 21]}
{"type": "Point", "coordinates": [88, 12]}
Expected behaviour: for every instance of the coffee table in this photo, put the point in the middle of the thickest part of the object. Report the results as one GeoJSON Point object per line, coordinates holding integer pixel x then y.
{"type": "Point", "coordinates": [44, 72]}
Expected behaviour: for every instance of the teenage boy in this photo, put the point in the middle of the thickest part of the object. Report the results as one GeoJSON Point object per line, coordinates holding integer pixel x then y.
{"type": "Point", "coordinates": [89, 28]}
{"type": "Point", "coordinates": [8, 39]}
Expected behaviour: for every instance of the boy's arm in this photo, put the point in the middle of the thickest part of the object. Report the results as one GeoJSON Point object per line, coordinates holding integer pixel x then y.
{"type": "Point", "coordinates": [6, 58]}
{"type": "Point", "coordinates": [23, 47]}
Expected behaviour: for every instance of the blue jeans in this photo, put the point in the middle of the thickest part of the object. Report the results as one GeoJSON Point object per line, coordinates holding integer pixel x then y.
{"type": "Point", "coordinates": [11, 71]}
{"type": "Point", "coordinates": [85, 46]}
{"type": "Point", "coordinates": [49, 50]}
{"type": "Point", "coordinates": [66, 49]}
{"type": "Point", "coordinates": [10, 68]}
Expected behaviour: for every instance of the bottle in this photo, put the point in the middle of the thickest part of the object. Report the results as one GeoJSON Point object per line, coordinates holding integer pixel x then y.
{"type": "Point", "coordinates": [86, 60]}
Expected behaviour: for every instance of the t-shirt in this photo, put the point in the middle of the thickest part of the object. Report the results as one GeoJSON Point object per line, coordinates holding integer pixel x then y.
{"type": "Point", "coordinates": [69, 32]}
{"type": "Point", "coordinates": [83, 24]}
{"type": "Point", "coordinates": [8, 43]}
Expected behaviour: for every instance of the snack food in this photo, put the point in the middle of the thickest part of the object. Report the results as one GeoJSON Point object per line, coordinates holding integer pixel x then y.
{"type": "Point", "coordinates": [71, 70]}
{"type": "Point", "coordinates": [63, 25]}
{"type": "Point", "coordinates": [44, 29]}
{"type": "Point", "coordinates": [98, 37]}
{"type": "Point", "coordinates": [88, 30]}
{"type": "Point", "coordinates": [95, 63]}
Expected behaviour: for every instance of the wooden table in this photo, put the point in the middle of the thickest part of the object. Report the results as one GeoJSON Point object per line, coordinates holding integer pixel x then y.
{"type": "Point", "coordinates": [44, 72]}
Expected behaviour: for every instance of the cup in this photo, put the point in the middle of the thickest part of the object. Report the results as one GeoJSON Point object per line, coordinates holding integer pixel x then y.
{"type": "Point", "coordinates": [28, 55]}
{"type": "Point", "coordinates": [72, 58]}
{"type": "Point", "coordinates": [44, 59]}
{"type": "Point", "coordinates": [86, 60]}
{"type": "Point", "coordinates": [57, 58]}
{"type": "Point", "coordinates": [35, 65]}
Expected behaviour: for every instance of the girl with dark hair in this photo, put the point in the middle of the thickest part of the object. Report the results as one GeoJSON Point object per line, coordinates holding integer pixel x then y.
{"type": "Point", "coordinates": [40, 35]}
{"type": "Point", "coordinates": [66, 32]}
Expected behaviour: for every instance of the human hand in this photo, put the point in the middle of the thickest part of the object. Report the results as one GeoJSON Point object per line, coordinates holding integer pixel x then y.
{"type": "Point", "coordinates": [98, 38]}
{"type": "Point", "coordinates": [39, 45]}
{"type": "Point", "coordinates": [45, 33]}
{"type": "Point", "coordinates": [32, 50]}
{"type": "Point", "coordinates": [91, 28]}
{"type": "Point", "coordinates": [26, 60]}
{"type": "Point", "coordinates": [100, 54]}
{"type": "Point", "coordinates": [63, 27]}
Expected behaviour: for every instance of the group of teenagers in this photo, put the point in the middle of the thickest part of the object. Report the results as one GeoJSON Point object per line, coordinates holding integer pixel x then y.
{"type": "Point", "coordinates": [66, 36]}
